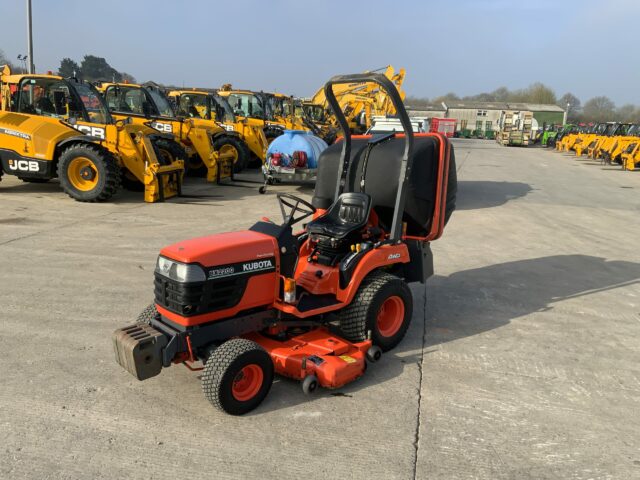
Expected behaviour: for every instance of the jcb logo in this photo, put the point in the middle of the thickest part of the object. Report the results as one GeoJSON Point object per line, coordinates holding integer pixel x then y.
{"type": "Point", "coordinates": [92, 131]}
{"type": "Point", "coordinates": [228, 128]}
{"type": "Point", "coordinates": [162, 127]}
{"type": "Point", "coordinates": [24, 165]}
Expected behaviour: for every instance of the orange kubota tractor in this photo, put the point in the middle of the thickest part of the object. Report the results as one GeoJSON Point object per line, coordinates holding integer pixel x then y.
{"type": "Point", "coordinates": [256, 302]}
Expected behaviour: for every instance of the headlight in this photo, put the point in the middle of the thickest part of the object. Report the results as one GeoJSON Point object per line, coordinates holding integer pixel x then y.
{"type": "Point", "coordinates": [180, 272]}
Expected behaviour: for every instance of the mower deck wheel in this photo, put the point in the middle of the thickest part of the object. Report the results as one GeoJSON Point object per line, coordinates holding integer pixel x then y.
{"type": "Point", "coordinates": [309, 384]}
{"type": "Point", "coordinates": [237, 376]}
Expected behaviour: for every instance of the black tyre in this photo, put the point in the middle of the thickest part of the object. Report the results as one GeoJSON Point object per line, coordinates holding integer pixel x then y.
{"type": "Point", "coordinates": [232, 145]}
{"type": "Point", "coordinates": [237, 376]}
{"type": "Point", "coordinates": [168, 151]}
{"type": "Point", "coordinates": [148, 314]}
{"type": "Point", "coordinates": [34, 180]}
{"type": "Point", "coordinates": [130, 182]}
{"type": "Point", "coordinates": [88, 173]}
{"type": "Point", "coordinates": [383, 306]}
{"type": "Point", "coordinates": [272, 133]}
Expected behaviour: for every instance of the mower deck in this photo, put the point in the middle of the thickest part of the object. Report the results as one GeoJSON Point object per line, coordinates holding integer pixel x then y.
{"type": "Point", "coordinates": [333, 360]}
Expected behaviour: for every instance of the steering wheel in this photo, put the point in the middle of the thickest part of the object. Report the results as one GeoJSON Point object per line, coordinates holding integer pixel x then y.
{"type": "Point", "coordinates": [295, 204]}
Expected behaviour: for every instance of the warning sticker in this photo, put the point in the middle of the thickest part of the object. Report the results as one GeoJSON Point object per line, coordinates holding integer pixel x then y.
{"type": "Point", "coordinates": [348, 359]}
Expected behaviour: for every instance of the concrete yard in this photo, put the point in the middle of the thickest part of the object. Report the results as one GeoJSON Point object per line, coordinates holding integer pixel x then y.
{"type": "Point", "coordinates": [522, 360]}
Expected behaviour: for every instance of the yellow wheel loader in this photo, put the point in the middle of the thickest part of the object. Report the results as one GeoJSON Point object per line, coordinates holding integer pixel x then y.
{"type": "Point", "coordinates": [251, 141]}
{"type": "Point", "coordinates": [55, 127]}
{"type": "Point", "coordinates": [205, 142]}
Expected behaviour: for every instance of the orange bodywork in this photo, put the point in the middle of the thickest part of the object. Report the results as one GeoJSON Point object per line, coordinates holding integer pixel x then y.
{"type": "Point", "coordinates": [334, 361]}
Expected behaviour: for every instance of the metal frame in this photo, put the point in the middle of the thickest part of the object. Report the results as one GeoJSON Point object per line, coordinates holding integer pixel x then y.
{"type": "Point", "coordinates": [345, 155]}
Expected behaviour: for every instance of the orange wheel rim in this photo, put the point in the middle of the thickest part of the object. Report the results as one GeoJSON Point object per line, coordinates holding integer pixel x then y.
{"type": "Point", "coordinates": [83, 174]}
{"type": "Point", "coordinates": [247, 383]}
{"type": "Point", "coordinates": [390, 316]}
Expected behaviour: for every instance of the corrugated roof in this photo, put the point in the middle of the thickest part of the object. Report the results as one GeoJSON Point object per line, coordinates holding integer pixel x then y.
{"type": "Point", "coordinates": [426, 108]}
{"type": "Point", "coordinates": [534, 107]}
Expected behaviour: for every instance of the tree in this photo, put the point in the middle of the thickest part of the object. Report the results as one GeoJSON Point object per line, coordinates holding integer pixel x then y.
{"type": "Point", "coordinates": [69, 68]}
{"type": "Point", "coordinates": [417, 101]}
{"type": "Point", "coordinates": [501, 94]}
{"type": "Point", "coordinates": [449, 97]}
{"type": "Point", "coordinates": [574, 105]}
{"type": "Point", "coordinates": [628, 113]}
{"type": "Point", "coordinates": [599, 109]}
{"type": "Point", "coordinates": [128, 78]}
{"type": "Point", "coordinates": [540, 93]}
{"type": "Point", "coordinates": [96, 68]}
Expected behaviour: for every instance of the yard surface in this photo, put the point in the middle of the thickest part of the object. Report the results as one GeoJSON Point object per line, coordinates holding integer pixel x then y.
{"type": "Point", "coordinates": [522, 360]}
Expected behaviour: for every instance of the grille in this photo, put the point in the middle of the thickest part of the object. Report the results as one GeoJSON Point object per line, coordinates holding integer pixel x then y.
{"type": "Point", "coordinates": [189, 299]}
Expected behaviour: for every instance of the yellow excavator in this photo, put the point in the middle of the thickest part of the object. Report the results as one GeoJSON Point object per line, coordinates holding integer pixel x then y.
{"type": "Point", "coordinates": [360, 102]}
{"type": "Point", "coordinates": [55, 127]}
{"type": "Point", "coordinates": [206, 105]}
{"type": "Point", "coordinates": [209, 148]}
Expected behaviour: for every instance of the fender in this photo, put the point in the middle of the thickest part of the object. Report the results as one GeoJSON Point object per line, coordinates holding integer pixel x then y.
{"type": "Point", "coordinates": [80, 138]}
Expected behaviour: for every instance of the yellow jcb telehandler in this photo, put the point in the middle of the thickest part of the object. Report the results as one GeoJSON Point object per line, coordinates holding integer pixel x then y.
{"type": "Point", "coordinates": [203, 141]}
{"type": "Point", "coordinates": [56, 127]}
{"type": "Point", "coordinates": [613, 152]}
{"type": "Point", "coordinates": [265, 110]}
{"type": "Point", "coordinates": [251, 141]}
{"type": "Point", "coordinates": [604, 142]}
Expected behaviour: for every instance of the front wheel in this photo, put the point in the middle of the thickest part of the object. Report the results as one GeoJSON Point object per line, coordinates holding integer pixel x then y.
{"type": "Point", "coordinates": [235, 148]}
{"type": "Point", "coordinates": [383, 305]}
{"type": "Point", "coordinates": [237, 376]}
{"type": "Point", "coordinates": [88, 173]}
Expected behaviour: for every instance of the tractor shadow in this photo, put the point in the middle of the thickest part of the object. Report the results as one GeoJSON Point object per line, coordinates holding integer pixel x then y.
{"type": "Point", "coordinates": [474, 195]}
{"type": "Point", "coordinates": [472, 302]}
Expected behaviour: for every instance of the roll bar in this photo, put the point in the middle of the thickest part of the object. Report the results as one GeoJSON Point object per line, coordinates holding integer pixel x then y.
{"type": "Point", "coordinates": [345, 155]}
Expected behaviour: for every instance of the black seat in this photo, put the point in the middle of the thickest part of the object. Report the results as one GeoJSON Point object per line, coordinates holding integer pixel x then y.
{"type": "Point", "coordinates": [349, 214]}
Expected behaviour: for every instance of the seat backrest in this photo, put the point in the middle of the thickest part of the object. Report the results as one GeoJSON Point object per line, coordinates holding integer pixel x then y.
{"type": "Point", "coordinates": [353, 207]}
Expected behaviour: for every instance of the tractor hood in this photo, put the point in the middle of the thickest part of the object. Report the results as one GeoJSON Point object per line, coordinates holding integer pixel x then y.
{"type": "Point", "coordinates": [223, 249]}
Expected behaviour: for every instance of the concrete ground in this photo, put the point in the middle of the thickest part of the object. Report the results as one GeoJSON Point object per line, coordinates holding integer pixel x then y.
{"type": "Point", "coordinates": [521, 360]}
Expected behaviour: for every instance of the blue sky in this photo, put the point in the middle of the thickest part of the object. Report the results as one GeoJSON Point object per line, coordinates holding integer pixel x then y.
{"type": "Point", "coordinates": [465, 46]}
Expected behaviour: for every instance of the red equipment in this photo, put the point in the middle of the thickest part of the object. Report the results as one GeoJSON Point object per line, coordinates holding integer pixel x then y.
{"type": "Point", "coordinates": [250, 303]}
{"type": "Point", "coordinates": [445, 126]}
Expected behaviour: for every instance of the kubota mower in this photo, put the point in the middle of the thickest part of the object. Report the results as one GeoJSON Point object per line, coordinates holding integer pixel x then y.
{"type": "Point", "coordinates": [315, 305]}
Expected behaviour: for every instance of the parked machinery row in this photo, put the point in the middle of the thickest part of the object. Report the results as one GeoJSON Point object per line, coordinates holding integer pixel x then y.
{"type": "Point", "coordinates": [611, 142]}
{"type": "Point", "coordinates": [97, 138]}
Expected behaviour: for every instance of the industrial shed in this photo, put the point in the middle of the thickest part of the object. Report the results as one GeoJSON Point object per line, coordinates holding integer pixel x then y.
{"type": "Point", "coordinates": [483, 116]}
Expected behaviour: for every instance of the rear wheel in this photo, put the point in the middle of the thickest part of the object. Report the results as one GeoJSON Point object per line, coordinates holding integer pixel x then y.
{"type": "Point", "coordinates": [383, 306]}
{"type": "Point", "coordinates": [88, 173]}
{"type": "Point", "coordinates": [234, 147]}
{"type": "Point", "coordinates": [237, 376]}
